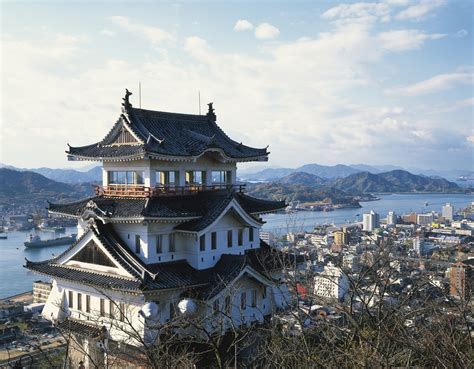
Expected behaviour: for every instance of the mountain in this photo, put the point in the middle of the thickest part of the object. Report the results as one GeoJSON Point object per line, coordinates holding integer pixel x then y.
{"type": "Point", "coordinates": [302, 178]}
{"type": "Point", "coordinates": [267, 174]}
{"type": "Point", "coordinates": [93, 174]}
{"type": "Point", "coordinates": [393, 181]}
{"type": "Point", "coordinates": [25, 188]}
{"type": "Point", "coordinates": [329, 172]}
{"type": "Point", "coordinates": [304, 193]}
{"type": "Point", "coordinates": [323, 171]}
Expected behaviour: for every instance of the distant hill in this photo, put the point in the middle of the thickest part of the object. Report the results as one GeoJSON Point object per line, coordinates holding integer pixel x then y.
{"type": "Point", "coordinates": [302, 178]}
{"type": "Point", "coordinates": [304, 193]}
{"type": "Point", "coordinates": [323, 171]}
{"type": "Point", "coordinates": [93, 174]}
{"type": "Point", "coordinates": [393, 181]}
{"type": "Point", "coordinates": [25, 188]}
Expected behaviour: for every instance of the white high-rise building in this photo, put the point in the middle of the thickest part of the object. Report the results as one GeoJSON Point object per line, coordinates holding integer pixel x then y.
{"type": "Point", "coordinates": [425, 219]}
{"type": "Point", "coordinates": [448, 211]}
{"type": "Point", "coordinates": [331, 283]}
{"type": "Point", "coordinates": [370, 221]}
{"type": "Point", "coordinates": [391, 218]}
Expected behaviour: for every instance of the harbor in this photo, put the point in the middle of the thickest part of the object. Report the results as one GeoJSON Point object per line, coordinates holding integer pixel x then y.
{"type": "Point", "coordinates": [13, 259]}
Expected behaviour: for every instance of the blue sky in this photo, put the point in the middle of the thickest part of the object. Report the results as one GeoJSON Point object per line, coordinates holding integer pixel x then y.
{"type": "Point", "coordinates": [387, 82]}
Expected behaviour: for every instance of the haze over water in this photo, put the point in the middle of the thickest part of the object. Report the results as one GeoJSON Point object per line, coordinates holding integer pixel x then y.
{"type": "Point", "coordinates": [15, 279]}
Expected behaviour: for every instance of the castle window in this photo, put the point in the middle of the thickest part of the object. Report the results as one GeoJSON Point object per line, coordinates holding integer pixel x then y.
{"type": "Point", "coordinates": [79, 302]}
{"type": "Point", "coordinates": [220, 177]}
{"type": "Point", "coordinates": [70, 299]}
{"type": "Point", "coordinates": [172, 247]}
{"type": "Point", "coordinates": [240, 238]}
{"type": "Point", "coordinates": [102, 307]}
{"type": "Point", "coordinates": [202, 243]}
{"type": "Point", "coordinates": [227, 304]}
{"type": "Point", "coordinates": [111, 309]}
{"type": "Point", "coordinates": [88, 304]}
{"type": "Point", "coordinates": [122, 312]}
{"type": "Point", "coordinates": [137, 244]}
{"type": "Point", "coordinates": [126, 178]}
{"type": "Point", "coordinates": [229, 238]}
{"type": "Point", "coordinates": [251, 234]}
{"type": "Point", "coordinates": [159, 244]}
{"type": "Point", "coordinates": [243, 300]}
{"type": "Point", "coordinates": [194, 177]}
{"type": "Point", "coordinates": [253, 301]}
{"type": "Point", "coordinates": [166, 178]}
{"type": "Point", "coordinates": [213, 240]}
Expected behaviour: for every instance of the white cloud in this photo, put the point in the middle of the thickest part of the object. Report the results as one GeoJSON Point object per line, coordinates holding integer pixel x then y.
{"type": "Point", "coordinates": [266, 31]}
{"type": "Point", "coordinates": [406, 39]}
{"type": "Point", "coordinates": [470, 139]}
{"type": "Point", "coordinates": [153, 34]}
{"type": "Point", "coordinates": [360, 12]}
{"type": "Point", "coordinates": [107, 32]}
{"type": "Point", "coordinates": [420, 10]}
{"type": "Point", "coordinates": [243, 25]}
{"type": "Point", "coordinates": [435, 84]}
{"type": "Point", "coordinates": [296, 93]}
{"type": "Point", "coordinates": [461, 33]}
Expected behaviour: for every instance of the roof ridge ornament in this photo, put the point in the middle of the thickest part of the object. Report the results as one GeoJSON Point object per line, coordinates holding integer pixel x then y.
{"type": "Point", "coordinates": [211, 112]}
{"type": "Point", "coordinates": [126, 100]}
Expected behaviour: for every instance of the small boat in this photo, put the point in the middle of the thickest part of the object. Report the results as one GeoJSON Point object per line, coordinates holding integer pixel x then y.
{"type": "Point", "coordinates": [36, 242]}
{"type": "Point", "coordinates": [3, 236]}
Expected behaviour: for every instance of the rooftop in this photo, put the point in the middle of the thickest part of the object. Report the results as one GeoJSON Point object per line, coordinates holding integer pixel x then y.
{"type": "Point", "coordinates": [140, 133]}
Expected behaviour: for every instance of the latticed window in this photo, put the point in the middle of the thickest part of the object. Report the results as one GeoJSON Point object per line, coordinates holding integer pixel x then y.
{"type": "Point", "coordinates": [79, 302]}
{"type": "Point", "coordinates": [172, 245]}
{"type": "Point", "coordinates": [137, 244]}
{"type": "Point", "coordinates": [240, 238]}
{"type": "Point", "coordinates": [229, 238]}
{"type": "Point", "coordinates": [70, 299]}
{"type": "Point", "coordinates": [251, 234]}
{"type": "Point", "coordinates": [243, 300]}
{"type": "Point", "coordinates": [213, 240]}
{"type": "Point", "coordinates": [202, 243]}
{"type": "Point", "coordinates": [88, 304]}
{"type": "Point", "coordinates": [159, 244]}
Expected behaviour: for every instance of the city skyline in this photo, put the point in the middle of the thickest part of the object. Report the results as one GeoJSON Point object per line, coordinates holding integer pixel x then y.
{"type": "Point", "coordinates": [385, 82]}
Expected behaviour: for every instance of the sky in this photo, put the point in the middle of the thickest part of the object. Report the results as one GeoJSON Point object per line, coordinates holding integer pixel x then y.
{"type": "Point", "coordinates": [328, 82]}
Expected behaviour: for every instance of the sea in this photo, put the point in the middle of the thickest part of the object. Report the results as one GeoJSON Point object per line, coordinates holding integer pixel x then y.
{"type": "Point", "coordinates": [15, 279]}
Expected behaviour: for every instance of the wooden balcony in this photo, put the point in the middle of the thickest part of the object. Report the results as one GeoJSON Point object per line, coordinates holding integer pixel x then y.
{"type": "Point", "coordinates": [140, 191]}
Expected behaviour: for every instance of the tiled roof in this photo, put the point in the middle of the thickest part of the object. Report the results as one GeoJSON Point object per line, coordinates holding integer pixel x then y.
{"type": "Point", "coordinates": [80, 327]}
{"type": "Point", "coordinates": [82, 276]}
{"type": "Point", "coordinates": [205, 206]}
{"type": "Point", "coordinates": [165, 134]}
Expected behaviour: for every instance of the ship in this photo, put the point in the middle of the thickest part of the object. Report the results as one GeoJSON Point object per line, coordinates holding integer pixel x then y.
{"type": "Point", "coordinates": [36, 242]}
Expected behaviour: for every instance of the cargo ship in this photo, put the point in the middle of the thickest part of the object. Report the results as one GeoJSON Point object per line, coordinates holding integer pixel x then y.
{"type": "Point", "coordinates": [35, 241]}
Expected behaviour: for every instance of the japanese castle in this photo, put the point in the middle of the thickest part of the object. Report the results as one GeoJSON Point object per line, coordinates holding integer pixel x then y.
{"type": "Point", "coordinates": [169, 233]}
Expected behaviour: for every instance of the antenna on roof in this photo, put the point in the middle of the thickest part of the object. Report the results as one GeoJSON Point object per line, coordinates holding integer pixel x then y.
{"type": "Point", "coordinates": [140, 94]}
{"type": "Point", "coordinates": [199, 97]}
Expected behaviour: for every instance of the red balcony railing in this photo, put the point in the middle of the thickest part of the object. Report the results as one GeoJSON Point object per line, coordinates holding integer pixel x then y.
{"type": "Point", "coordinates": [143, 191]}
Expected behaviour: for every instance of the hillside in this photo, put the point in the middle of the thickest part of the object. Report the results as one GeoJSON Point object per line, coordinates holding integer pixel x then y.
{"type": "Point", "coordinates": [29, 189]}
{"type": "Point", "coordinates": [302, 178]}
{"type": "Point", "coordinates": [323, 171]}
{"type": "Point", "coordinates": [299, 192]}
{"type": "Point", "coordinates": [393, 181]}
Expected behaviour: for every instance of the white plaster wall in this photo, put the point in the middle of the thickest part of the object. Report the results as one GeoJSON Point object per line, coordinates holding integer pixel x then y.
{"type": "Point", "coordinates": [119, 331]}
{"type": "Point", "coordinates": [208, 258]}
{"type": "Point", "coordinates": [187, 246]}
